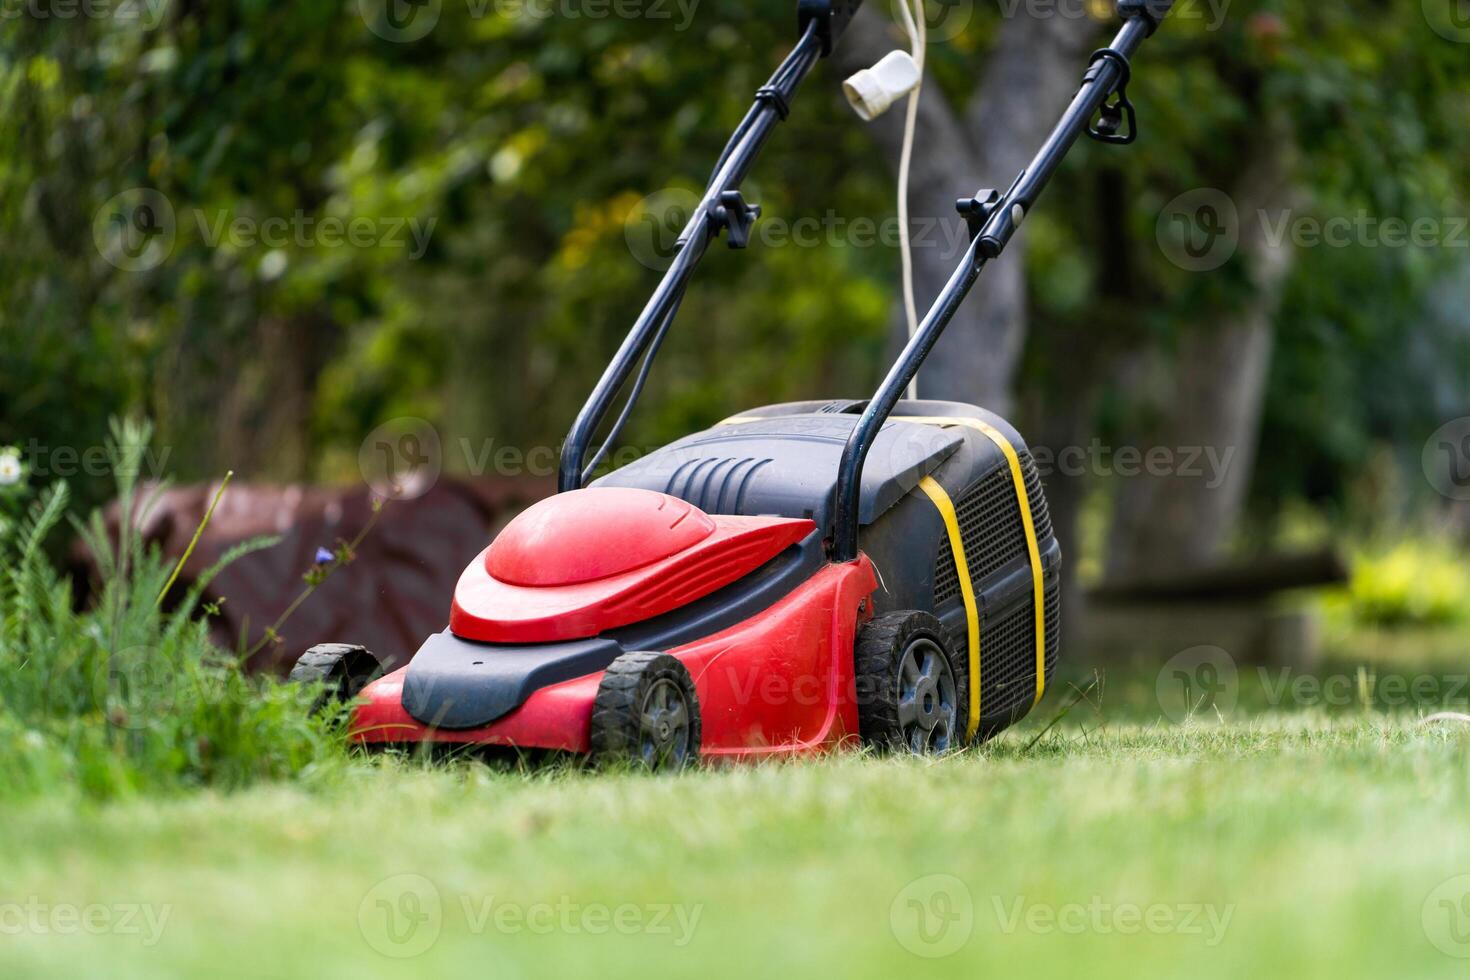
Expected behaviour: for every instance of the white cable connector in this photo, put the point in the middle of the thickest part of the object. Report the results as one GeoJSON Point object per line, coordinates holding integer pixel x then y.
{"type": "Point", "coordinates": [872, 90]}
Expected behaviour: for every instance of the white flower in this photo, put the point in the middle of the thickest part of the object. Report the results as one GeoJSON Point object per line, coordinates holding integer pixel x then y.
{"type": "Point", "coordinates": [10, 469]}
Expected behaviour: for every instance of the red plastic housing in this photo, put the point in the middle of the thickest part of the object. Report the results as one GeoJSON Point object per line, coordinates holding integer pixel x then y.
{"type": "Point", "coordinates": [581, 563]}
{"type": "Point", "coordinates": [780, 683]}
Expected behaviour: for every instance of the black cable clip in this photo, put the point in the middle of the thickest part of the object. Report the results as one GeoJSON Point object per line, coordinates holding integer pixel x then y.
{"type": "Point", "coordinates": [978, 209]}
{"type": "Point", "coordinates": [732, 214]}
{"type": "Point", "coordinates": [1112, 115]}
{"type": "Point", "coordinates": [776, 98]}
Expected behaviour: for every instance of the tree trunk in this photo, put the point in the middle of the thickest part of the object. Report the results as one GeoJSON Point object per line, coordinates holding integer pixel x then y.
{"type": "Point", "coordinates": [1211, 410]}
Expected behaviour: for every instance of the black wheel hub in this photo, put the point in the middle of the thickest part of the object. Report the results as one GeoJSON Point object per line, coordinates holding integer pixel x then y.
{"type": "Point", "coordinates": [927, 706]}
{"type": "Point", "coordinates": [664, 724]}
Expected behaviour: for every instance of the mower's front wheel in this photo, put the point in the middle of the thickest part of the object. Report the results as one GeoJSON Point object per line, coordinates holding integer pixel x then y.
{"type": "Point", "coordinates": [646, 713]}
{"type": "Point", "coordinates": [343, 670]}
{"type": "Point", "coordinates": [913, 690]}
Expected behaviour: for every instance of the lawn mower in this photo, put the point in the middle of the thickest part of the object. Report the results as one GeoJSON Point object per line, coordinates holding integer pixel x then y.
{"type": "Point", "coordinates": [797, 578]}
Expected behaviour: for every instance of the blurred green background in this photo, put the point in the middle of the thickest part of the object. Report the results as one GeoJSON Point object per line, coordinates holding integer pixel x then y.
{"type": "Point", "coordinates": [518, 146]}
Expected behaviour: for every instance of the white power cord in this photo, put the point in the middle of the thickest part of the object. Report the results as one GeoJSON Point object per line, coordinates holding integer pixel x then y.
{"type": "Point", "coordinates": [919, 35]}
{"type": "Point", "coordinates": [871, 92]}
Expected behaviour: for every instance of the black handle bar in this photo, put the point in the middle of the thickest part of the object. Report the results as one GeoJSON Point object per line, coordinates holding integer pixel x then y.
{"type": "Point", "coordinates": [820, 23]}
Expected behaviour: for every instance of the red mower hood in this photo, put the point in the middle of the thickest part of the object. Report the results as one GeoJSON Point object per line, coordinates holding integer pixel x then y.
{"type": "Point", "coordinates": [581, 563]}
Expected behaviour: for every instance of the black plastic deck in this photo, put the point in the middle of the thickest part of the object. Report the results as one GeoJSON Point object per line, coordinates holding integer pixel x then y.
{"type": "Point", "coordinates": [787, 466]}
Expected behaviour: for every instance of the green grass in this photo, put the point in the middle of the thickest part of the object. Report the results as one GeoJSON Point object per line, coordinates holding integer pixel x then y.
{"type": "Point", "coordinates": [1319, 838]}
{"type": "Point", "coordinates": [163, 815]}
{"type": "Point", "coordinates": [126, 696]}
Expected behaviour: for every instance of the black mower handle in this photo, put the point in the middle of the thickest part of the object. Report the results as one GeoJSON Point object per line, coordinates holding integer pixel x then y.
{"type": "Point", "coordinates": [722, 209]}
{"type": "Point", "coordinates": [994, 219]}
{"type": "Point", "coordinates": [1151, 11]}
{"type": "Point", "coordinates": [830, 16]}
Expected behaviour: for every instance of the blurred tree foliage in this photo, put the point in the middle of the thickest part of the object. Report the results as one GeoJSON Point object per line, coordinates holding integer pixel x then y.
{"type": "Point", "coordinates": [525, 143]}
{"type": "Point", "coordinates": [1372, 339]}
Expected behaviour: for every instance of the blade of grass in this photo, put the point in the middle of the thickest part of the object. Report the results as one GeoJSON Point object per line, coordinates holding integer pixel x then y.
{"type": "Point", "coordinates": [1078, 697]}
{"type": "Point", "coordinates": [198, 532]}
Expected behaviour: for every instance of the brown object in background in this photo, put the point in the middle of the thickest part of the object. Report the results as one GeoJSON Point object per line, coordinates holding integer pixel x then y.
{"type": "Point", "coordinates": [395, 594]}
{"type": "Point", "coordinates": [1151, 619]}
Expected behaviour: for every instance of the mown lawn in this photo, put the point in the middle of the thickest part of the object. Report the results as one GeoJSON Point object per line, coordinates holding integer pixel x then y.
{"type": "Point", "coordinates": [164, 815]}
{"type": "Point", "coordinates": [1292, 843]}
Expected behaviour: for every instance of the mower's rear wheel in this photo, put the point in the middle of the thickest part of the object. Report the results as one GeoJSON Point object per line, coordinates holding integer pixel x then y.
{"type": "Point", "coordinates": [646, 713]}
{"type": "Point", "coordinates": [342, 669]}
{"type": "Point", "coordinates": [913, 687]}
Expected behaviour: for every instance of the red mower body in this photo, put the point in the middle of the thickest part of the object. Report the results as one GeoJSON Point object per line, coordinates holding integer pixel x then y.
{"type": "Point", "coordinates": [778, 684]}
{"type": "Point", "coordinates": [580, 564]}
